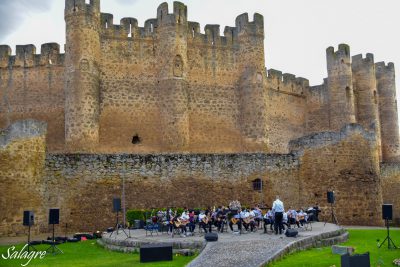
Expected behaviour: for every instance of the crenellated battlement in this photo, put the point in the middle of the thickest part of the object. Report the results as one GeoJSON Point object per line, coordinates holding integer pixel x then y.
{"type": "Point", "coordinates": [286, 82]}
{"type": "Point", "coordinates": [338, 60]}
{"type": "Point", "coordinates": [244, 26]}
{"type": "Point", "coordinates": [128, 27]}
{"type": "Point", "coordinates": [382, 67]}
{"type": "Point", "coordinates": [72, 6]}
{"type": "Point", "coordinates": [360, 61]}
{"type": "Point", "coordinates": [25, 56]}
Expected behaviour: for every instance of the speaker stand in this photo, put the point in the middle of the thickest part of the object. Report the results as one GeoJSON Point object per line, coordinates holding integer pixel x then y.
{"type": "Point", "coordinates": [122, 229]}
{"type": "Point", "coordinates": [333, 216]}
{"type": "Point", "coordinates": [29, 246]}
{"type": "Point", "coordinates": [53, 248]}
{"type": "Point", "coordinates": [390, 242]}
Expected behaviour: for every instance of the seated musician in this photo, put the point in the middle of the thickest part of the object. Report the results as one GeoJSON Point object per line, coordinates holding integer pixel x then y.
{"type": "Point", "coordinates": [285, 220]}
{"type": "Point", "coordinates": [317, 210]}
{"type": "Point", "coordinates": [192, 222]}
{"type": "Point", "coordinates": [268, 219]}
{"type": "Point", "coordinates": [257, 215]}
{"type": "Point", "coordinates": [292, 217]}
{"type": "Point", "coordinates": [221, 218]}
{"type": "Point", "coordinates": [204, 221]}
{"type": "Point", "coordinates": [249, 220]}
{"type": "Point", "coordinates": [236, 220]}
{"type": "Point", "coordinates": [182, 221]}
{"type": "Point", "coordinates": [301, 217]}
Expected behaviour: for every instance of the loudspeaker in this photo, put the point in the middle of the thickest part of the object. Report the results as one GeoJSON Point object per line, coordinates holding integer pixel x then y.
{"type": "Point", "coordinates": [211, 237]}
{"type": "Point", "coordinates": [116, 204]}
{"type": "Point", "coordinates": [155, 252]}
{"type": "Point", "coordinates": [29, 218]}
{"type": "Point", "coordinates": [330, 196]}
{"type": "Point", "coordinates": [291, 232]}
{"type": "Point", "coordinates": [54, 216]}
{"type": "Point", "coordinates": [357, 260]}
{"type": "Point", "coordinates": [387, 211]}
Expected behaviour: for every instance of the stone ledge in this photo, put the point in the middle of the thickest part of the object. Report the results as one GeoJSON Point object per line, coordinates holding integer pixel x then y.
{"type": "Point", "coordinates": [324, 239]}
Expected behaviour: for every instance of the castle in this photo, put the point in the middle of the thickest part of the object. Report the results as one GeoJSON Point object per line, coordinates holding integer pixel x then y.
{"type": "Point", "coordinates": [177, 112]}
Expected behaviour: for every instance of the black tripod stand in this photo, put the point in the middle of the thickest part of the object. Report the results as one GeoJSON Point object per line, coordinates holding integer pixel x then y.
{"type": "Point", "coordinates": [333, 216]}
{"type": "Point", "coordinates": [53, 248]}
{"type": "Point", "coordinates": [29, 246]}
{"type": "Point", "coordinates": [117, 226]}
{"type": "Point", "coordinates": [390, 242]}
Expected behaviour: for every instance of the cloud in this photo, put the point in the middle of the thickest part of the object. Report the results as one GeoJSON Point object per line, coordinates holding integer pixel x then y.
{"type": "Point", "coordinates": [14, 12]}
{"type": "Point", "coordinates": [127, 2]}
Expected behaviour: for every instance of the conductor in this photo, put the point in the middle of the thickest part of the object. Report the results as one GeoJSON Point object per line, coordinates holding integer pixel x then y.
{"type": "Point", "coordinates": [278, 209]}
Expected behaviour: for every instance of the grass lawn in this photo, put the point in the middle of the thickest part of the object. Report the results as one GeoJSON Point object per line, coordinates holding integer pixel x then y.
{"type": "Point", "coordinates": [361, 240]}
{"type": "Point", "coordinates": [87, 253]}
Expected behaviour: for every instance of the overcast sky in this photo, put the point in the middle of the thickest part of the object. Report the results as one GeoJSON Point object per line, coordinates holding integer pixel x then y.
{"type": "Point", "coordinates": [297, 31]}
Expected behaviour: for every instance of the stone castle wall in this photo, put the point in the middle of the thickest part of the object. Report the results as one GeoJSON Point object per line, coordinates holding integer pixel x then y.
{"type": "Point", "coordinates": [83, 185]}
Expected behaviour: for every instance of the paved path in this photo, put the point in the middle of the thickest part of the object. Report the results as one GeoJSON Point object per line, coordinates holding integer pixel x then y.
{"type": "Point", "coordinates": [231, 249]}
{"type": "Point", "coordinates": [252, 249]}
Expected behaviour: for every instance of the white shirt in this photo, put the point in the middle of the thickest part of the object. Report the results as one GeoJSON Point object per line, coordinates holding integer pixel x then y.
{"type": "Point", "coordinates": [201, 216]}
{"type": "Point", "coordinates": [184, 216]}
{"type": "Point", "coordinates": [277, 206]}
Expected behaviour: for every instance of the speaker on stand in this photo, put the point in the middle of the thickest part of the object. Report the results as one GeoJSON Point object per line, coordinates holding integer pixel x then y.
{"type": "Point", "coordinates": [387, 215]}
{"type": "Point", "coordinates": [117, 209]}
{"type": "Point", "coordinates": [28, 220]}
{"type": "Point", "coordinates": [54, 218]}
{"type": "Point", "coordinates": [330, 195]}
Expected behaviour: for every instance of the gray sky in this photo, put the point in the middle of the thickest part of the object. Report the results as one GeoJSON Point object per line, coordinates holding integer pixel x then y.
{"type": "Point", "coordinates": [297, 31]}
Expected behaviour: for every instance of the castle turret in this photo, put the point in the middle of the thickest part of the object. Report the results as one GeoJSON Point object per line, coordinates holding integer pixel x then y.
{"type": "Point", "coordinates": [340, 87]}
{"type": "Point", "coordinates": [253, 105]}
{"type": "Point", "coordinates": [171, 55]}
{"type": "Point", "coordinates": [82, 53]}
{"type": "Point", "coordinates": [364, 84]}
{"type": "Point", "coordinates": [385, 78]}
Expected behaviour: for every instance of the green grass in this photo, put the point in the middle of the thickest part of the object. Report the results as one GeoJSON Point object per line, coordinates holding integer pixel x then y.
{"type": "Point", "coordinates": [87, 253]}
{"type": "Point", "coordinates": [361, 240]}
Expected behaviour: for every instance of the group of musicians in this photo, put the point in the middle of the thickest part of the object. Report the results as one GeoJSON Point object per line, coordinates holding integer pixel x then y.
{"type": "Point", "coordinates": [249, 219]}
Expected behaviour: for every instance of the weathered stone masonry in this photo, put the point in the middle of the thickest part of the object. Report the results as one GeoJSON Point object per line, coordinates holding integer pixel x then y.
{"type": "Point", "coordinates": [178, 111]}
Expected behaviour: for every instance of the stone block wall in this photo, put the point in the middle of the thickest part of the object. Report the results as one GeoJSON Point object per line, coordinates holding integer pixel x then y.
{"type": "Point", "coordinates": [22, 157]}
{"type": "Point", "coordinates": [345, 162]}
{"type": "Point", "coordinates": [390, 176]}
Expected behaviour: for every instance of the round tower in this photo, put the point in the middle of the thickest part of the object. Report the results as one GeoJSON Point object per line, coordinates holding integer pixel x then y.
{"type": "Point", "coordinates": [82, 54]}
{"type": "Point", "coordinates": [364, 84]}
{"type": "Point", "coordinates": [171, 57]}
{"type": "Point", "coordinates": [386, 84]}
{"type": "Point", "coordinates": [340, 87]}
{"type": "Point", "coordinates": [251, 63]}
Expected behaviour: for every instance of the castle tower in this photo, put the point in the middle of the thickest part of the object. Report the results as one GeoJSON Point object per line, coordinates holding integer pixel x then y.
{"type": "Point", "coordinates": [385, 78]}
{"type": "Point", "coordinates": [340, 87]}
{"type": "Point", "coordinates": [253, 107]}
{"type": "Point", "coordinates": [82, 53]}
{"type": "Point", "coordinates": [364, 84]}
{"type": "Point", "coordinates": [171, 55]}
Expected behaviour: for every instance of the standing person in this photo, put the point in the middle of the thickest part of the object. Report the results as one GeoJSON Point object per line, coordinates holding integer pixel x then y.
{"type": "Point", "coordinates": [278, 209]}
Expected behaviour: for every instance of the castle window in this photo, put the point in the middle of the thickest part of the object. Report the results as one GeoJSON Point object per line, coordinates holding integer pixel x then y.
{"type": "Point", "coordinates": [193, 32]}
{"type": "Point", "coordinates": [87, 2]}
{"type": "Point", "coordinates": [151, 27]}
{"type": "Point", "coordinates": [106, 23]}
{"type": "Point", "coordinates": [178, 66]}
{"type": "Point", "coordinates": [130, 29]}
{"type": "Point", "coordinates": [257, 184]}
{"type": "Point", "coordinates": [136, 139]}
{"type": "Point", "coordinates": [375, 98]}
{"type": "Point", "coordinates": [348, 93]}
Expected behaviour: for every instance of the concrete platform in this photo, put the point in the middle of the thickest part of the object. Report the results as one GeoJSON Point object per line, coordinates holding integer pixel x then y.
{"type": "Point", "coordinates": [232, 249]}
